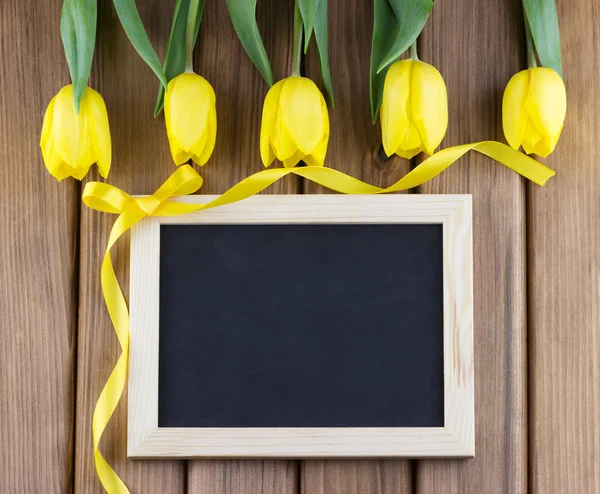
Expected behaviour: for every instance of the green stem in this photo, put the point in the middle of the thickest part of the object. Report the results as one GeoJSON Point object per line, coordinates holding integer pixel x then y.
{"type": "Point", "coordinates": [412, 51]}
{"type": "Point", "coordinates": [531, 56]}
{"type": "Point", "coordinates": [189, 35]}
{"type": "Point", "coordinates": [297, 51]}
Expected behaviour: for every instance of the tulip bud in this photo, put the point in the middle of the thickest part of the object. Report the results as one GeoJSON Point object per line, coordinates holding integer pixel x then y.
{"type": "Point", "coordinates": [533, 110]}
{"type": "Point", "coordinates": [191, 118]}
{"type": "Point", "coordinates": [414, 109]}
{"type": "Point", "coordinates": [72, 142]}
{"type": "Point", "coordinates": [295, 123]}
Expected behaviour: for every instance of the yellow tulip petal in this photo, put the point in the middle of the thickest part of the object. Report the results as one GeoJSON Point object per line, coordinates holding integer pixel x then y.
{"type": "Point", "coordinates": [99, 129]}
{"type": "Point", "coordinates": [546, 101]}
{"type": "Point", "coordinates": [188, 101]}
{"type": "Point", "coordinates": [54, 162]}
{"type": "Point", "coordinates": [293, 160]}
{"type": "Point", "coordinates": [317, 157]}
{"type": "Point", "coordinates": [395, 119]}
{"type": "Point", "coordinates": [211, 139]}
{"type": "Point", "coordinates": [429, 103]}
{"type": "Point", "coordinates": [514, 116]}
{"type": "Point", "coordinates": [408, 153]}
{"type": "Point", "coordinates": [283, 144]}
{"type": "Point", "coordinates": [412, 139]}
{"type": "Point", "coordinates": [198, 147]}
{"type": "Point", "coordinates": [300, 112]}
{"type": "Point", "coordinates": [71, 132]}
{"type": "Point", "coordinates": [180, 157]}
{"type": "Point", "coordinates": [269, 116]}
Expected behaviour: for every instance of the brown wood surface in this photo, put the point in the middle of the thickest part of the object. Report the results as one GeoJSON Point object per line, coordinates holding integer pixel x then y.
{"type": "Point", "coordinates": [38, 256]}
{"type": "Point", "coordinates": [564, 279]}
{"type": "Point", "coordinates": [537, 250]}
{"type": "Point", "coordinates": [478, 46]}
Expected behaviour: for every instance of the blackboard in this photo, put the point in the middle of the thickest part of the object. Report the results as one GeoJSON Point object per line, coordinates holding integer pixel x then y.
{"type": "Point", "coordinates": [301, 326]}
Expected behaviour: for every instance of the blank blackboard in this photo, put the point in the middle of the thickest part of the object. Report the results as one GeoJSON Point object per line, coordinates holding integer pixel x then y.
{"type": "Point", "coordinates": [335, 325]}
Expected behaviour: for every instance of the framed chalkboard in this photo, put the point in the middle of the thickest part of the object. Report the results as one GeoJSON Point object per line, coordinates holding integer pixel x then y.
{"type": "Point", "coordinates": [304, 326]}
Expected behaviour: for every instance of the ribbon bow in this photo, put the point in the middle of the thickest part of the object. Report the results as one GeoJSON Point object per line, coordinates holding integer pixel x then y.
{"type": "Point", "coordinates": [109, 199]}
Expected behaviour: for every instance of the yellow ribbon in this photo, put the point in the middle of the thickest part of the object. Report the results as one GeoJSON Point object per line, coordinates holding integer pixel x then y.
{"type": "Point", "coordinates": [110, 199]}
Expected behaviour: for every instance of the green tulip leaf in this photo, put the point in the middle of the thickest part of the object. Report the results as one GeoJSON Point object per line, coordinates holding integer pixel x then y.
{"type": "Point", "coordinates": [243, 18]}
{"type": "Point", "coordinates": [412, 15]}
{"type": "Point", "coordinates": [385, 30]}
{"type": "Point", "coordinates": [321, 37]}
{"type": "Point", "coordinates": [134, 28]}
{"type": "Point", "coordinates": [174, 63]}
{"type": "Point", "coordinates": [308, 9]}
{"type": "Point", "coordinates": [542, 18]}
{"type": "Point", "coordinates": [78, 33]}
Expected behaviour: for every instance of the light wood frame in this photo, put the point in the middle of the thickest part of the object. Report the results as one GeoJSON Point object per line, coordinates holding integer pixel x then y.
{"type": "Point", "coordinates": [457, 437]}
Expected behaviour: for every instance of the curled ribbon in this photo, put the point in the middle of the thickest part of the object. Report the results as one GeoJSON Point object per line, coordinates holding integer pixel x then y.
{"type": "Point", "coordinates": [109, 199]}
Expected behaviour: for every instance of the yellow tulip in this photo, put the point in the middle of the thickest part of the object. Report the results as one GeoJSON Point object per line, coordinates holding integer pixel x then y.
{"type": "Point", "coordinates": [533, 110]}
{"type": "Point", "coordinates": [191, 118]}
{"type": "Point", "coordinates": [72, 142]}
{"type": "Point", "coordinates": [295, 123]}
{"type": "Point", "coordinates": [414, 109]}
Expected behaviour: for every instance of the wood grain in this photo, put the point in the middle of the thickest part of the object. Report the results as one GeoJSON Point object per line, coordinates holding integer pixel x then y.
{"type": "Point", "coordinates": [240, 93]}
{"type": "Point", "coordinates": [477, 46]}
{"type": "Point", "coordinates": [356, 477]}
{"type": "Point", "coordinates": [38, 252]}
{"type": "Point", "coordinates": [141, 163]}
{"type": "Point", "coordinates": [354, 148]}
{"type": "Point", "coordinates": [564, 279]}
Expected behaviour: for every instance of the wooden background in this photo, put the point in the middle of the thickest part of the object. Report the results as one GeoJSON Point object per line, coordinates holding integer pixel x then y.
{"type": "Point", "coordinates": [537, 250]}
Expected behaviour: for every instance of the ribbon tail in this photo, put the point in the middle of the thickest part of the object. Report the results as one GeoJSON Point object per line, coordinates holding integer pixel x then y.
{"type": "Point", "coordinates": [113, 389]}
{"type": "Point", "coordinates": [516, 161]}
{"type": "Point", "coordinates": [105, 407]}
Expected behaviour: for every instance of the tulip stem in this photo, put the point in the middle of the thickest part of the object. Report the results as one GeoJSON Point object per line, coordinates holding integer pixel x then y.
{"type": "Point", "coordinates": [297, 51]}
{"type": "Point", "coordinates": [531, 56]}
{"type": "Point", "coordinates": [190, 30]}
{"type": "Point", "coordinates": [412, 51]}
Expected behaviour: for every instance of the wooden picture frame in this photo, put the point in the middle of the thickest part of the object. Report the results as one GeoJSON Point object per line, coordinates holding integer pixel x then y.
{"type": "Point", "coordinates": [455, 439]}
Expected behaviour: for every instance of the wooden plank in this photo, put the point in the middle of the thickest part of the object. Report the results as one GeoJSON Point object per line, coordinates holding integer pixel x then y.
{"type": "Point", "coordinates": [356, 477]}
{"type": "Point", "coordinates": [240, 94]}
{"type": "Point", "coordinates": [564, 279]}
{"type": "Point", "coordinates": [478, 46]}
{"type": "Point", "coordinates": [354, 148]}
{"type": "Point", "coordinates": [141, 163]}
{"type": "Point", "coordinates": [38, 244]}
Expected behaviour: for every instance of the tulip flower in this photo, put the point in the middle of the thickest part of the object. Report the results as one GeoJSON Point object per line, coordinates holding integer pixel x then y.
{"type": "Point", "coordinates": [191, 118]}
{"type": "Point", "coordinates": [414, 109]}
{"type": "Point", "coordinates": [295, 123]}
{"type": "Point", "coordinates": [72, 142]}
{"type": "Point", "coordinates": [533, 110]}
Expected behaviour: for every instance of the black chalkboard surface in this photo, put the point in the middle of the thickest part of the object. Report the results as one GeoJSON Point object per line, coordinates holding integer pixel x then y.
{"type": "Point", "coordinates": [299, 325]}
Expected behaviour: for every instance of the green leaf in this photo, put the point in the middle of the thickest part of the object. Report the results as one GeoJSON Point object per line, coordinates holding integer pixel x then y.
{"type": "Point", "coordinates": [243, 18]}
{"type": "Point", "coordinates": [174, 63]}
{"type": "Point", "coordinates": [542, 18]}
{"type": "Point", "coordinates": [321, 37]}
{"type": "Point", "coordinates": [308, 9]}
{"type": "Point", "coordinates": [78, 33]}
{"type": "Point", "coordinates": [412, 15]}
{"type": "Point", "coordinates": [385, 30]}
{"type": "Point", "coordinates": [132, 24]}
